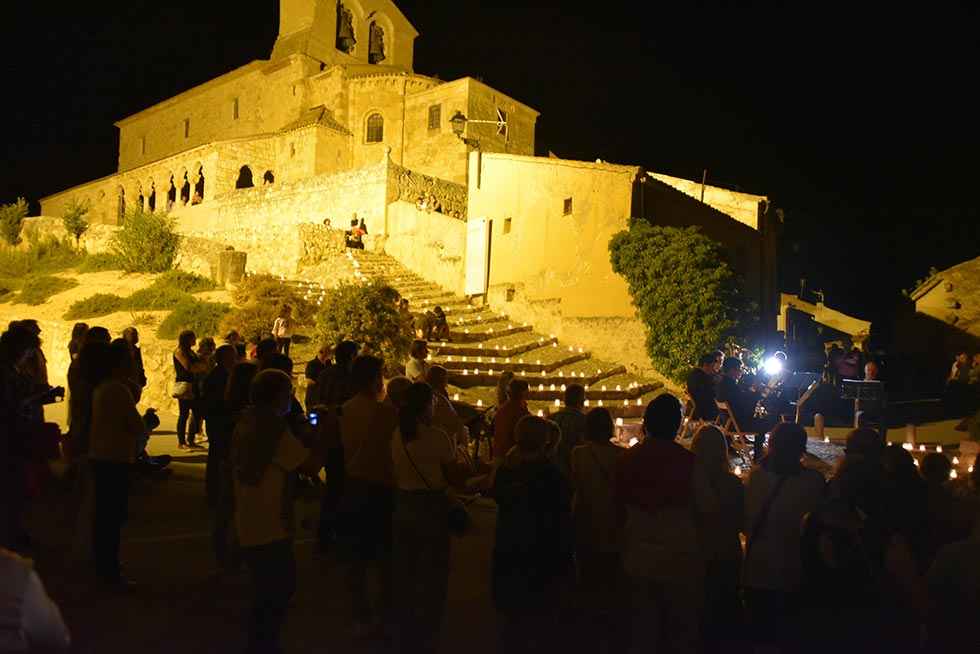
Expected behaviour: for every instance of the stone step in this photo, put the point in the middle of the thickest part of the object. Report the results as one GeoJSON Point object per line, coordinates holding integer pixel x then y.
{"type": "Point", "coordinates": [481, 349]}
{"type": "Point", "coordinates": [434, 295]}
{"type": "Point", "coordinates": [490, 376]}
{"type": "Point", "coordinates": [479, 319]}
{"type": "Point", "coordinates": [476, 335]}
{"type": "Point", "coordinates": [456, 364]}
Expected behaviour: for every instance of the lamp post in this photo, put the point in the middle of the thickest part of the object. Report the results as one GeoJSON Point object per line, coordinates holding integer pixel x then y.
{"type": "Point", "coordinates": [459, 121]}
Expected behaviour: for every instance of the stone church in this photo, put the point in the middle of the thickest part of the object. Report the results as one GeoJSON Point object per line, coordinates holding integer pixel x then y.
{"type": "Point", "coordinates": [336, 124]}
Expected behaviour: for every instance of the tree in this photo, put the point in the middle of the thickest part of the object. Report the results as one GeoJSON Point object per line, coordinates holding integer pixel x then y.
{"type": "Point", "coordinates": [74, 219]}
{"type": "Point", "coordinates": [11, 217]}
{"type": "Point", "coordinates": [365, 313]}
{"type": "Point", "coordinates": [684, 291]}
{"type": "Point", "coordinates": [145, 242]}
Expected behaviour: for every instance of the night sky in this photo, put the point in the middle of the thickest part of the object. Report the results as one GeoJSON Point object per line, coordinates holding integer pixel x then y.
{"type": "Point", "coordinates": [861, 125]}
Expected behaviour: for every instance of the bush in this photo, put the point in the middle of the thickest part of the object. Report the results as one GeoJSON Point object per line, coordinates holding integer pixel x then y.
{"type": "Point", "coordinates": [146, 242]}
{"type": "Point", "coordinates": [253, 322]}
{"type": "Point", "coordinates": [74, 219]}
{"type": "Point", "coordinates": [185, 282]}
{"type": "Point", "coordinates": [155, 299]}
{"type": "Point", "coordinates": [366, 314]}
{"type": "Point", "coordinates": [37, 290]}
{"type": "Point", "coordinates": [100, 304]}
{"type": "Point", "coordinates": [43, 256]}
{"type": "Point", "coordinates": [11, 217]}
{"type": "Point", "coordinates": [683, 289]}
{"type": "Point", "coordinates": [100, 262]}
{"type": "Point", "coordinates": [203, 318]}
{"type": "Point", "coordinates": [268, 290]}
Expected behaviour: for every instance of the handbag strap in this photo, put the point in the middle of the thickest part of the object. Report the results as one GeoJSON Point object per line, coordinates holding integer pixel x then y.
{"type": "Point", "coordinates": [605, 473]}
{"type": "Point", "coordinates": [763, 517]}
{"type": "Point", "coordinates": [415, 467]}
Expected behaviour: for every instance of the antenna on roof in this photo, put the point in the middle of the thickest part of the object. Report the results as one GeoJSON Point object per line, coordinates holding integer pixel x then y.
{"type": "Point", "coordinates": [704, 178]}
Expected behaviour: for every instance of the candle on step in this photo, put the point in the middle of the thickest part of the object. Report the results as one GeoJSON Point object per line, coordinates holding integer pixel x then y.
{"type": "Point", "coordinates": [479, 402]}
{"type": "Point", "coordinates": [619, 422]}
{"type": "Point", "coordinates": [455, 397]}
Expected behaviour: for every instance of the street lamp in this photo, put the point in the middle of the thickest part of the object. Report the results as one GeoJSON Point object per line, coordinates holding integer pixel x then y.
{"type": "Point", "coordinates": [459, 122]}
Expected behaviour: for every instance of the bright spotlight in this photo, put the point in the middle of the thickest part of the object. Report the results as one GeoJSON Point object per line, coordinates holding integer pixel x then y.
{"type": "Point", "coordinates": [773, 366]}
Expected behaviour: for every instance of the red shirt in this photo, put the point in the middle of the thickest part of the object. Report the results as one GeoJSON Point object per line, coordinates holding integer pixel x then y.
{"type": "Point", "coordinates": [504, 423]}
{"type": "Point", "coordinates": [654, 474]}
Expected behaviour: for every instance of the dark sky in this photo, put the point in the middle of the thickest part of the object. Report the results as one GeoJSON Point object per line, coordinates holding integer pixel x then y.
{"type": "Point", "coordinates": [860, 123]}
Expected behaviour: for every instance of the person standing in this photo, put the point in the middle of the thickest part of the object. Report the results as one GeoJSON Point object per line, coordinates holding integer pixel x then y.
{"type": "Point", "coordinates": [598, 535]}
{"type": "Point", "coordinates": [78, 332]}
{"type": "Point", "coordinates": [264, 453]}
{"type": "Point", "coordinates": [654, 490]}
{"type": "Point", "coordinates": [116, 431]}
{"type": "Point", "coordinates": [571, 421]}
{"type": "Point", "coordinates": [314, 368]}
{"type": "Point", "coordinates": [780, 491]}
{"type": "Point", "coordinates": [282, 329]}
{"type": "Point", "coordinates": [186, 365]}
{"type": "Point", "coordinates": [701, 386]}
{"type": "Point", "coordinates": [133, 338]}
{"type": "Point", "coordinates": [217, 419]}
{"type": "Point", "coordinates": [422, 455]}
{"type": "Point", "coordinates": [532, 552]}
{"type": "Point", "coordinates": [719, 509]}
{"type": "Point", "coordinates": [507, 416]}
{"type": "Point", "coordinates": [364, 520]}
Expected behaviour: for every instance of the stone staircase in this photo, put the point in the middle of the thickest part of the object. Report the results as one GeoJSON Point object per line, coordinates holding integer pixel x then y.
{"type": "Point", "coordinates": [483, 344]}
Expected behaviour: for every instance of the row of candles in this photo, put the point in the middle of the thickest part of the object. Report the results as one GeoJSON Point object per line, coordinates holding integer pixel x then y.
{"type": "Point", "coordinates": [626, 403]}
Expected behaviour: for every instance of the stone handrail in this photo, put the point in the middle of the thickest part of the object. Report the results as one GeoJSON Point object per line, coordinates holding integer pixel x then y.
{"type": "Point", "coordinates": [428, 193]}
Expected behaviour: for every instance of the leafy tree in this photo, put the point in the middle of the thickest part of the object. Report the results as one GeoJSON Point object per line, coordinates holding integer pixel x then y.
{"type": "Point", "coordinates": [145, 242]}
{"type": "Point", "coordinates": [365, 313]}
{"type": "Point", "coordinates": [11, 217]}
{"type": "Point", "coordinates": [684, 291]}
{"type": "Point", "coordinates": [74, 219]}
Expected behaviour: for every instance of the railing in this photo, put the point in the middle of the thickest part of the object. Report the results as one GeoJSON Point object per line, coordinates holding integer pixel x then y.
{"type": "Point", "coordinates": [429, 193]}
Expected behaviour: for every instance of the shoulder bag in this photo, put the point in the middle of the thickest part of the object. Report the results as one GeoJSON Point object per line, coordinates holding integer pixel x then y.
{"type": "Point", "coordinates": [458, 517]}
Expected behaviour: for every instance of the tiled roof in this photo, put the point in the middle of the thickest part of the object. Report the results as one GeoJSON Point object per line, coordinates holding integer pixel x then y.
{"type": "Point", "coordinates": [318, 115]}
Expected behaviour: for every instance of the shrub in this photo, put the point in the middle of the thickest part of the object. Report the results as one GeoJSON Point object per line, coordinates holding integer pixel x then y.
{"type": "Point", "coordinates": [268, 290]}
{"type": "Point", "coordinates": [155, 298]}
{"type": "Point", "coordinates": [100, 262]}
{"type": "Point", "coordinates": [100, 304]}
{"type": "Point", "coordinates": [74, 219]}
{"type": "Point", "coordinates": [253, 321]}
{"type": "Point", "coordinates": [186, 282]}
{"type": "Point", "coordinates": [145, 242]}
{"type": "Point", "coordinates": [683, 289]}
{"type": "Point", "coordinates": [37, 290]}
{"type": "Point", "coordinates": [11, 217]}
{"type": "Point", "coordinates": [366, 314]}
{"type": "Point", "coordinates": [203, 318]}
{"type": "Point", "coordinates": [43, 255]}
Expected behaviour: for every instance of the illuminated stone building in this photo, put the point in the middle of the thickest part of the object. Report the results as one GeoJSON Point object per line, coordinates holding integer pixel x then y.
{"type": "Point", "coordinates": [336, 124]}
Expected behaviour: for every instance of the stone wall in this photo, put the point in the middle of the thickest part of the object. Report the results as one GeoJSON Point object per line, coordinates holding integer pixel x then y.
{"type": "Point", "coordinates": [95, 240]}
{"type": "Point", "coordinates": [429, 244]}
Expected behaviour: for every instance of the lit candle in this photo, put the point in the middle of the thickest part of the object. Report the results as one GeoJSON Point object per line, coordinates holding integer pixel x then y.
{"type": "Point", "coordinates": [476, 371]}
{"type": "Point", "coordinates": [939, 448]}
{"type": "Point", "coordinates": [626, 402]}
{"type": "Point", "coordinates": [552, 387]}
{"type": "Point", "coordinates": [465, 373]}
{"type": "Point", "coordinates": [600, 402]}
{"type": "Point", "coordinates": [580, 350]}
{"type": "Point", "coordinates": [916, 462]}
{"type": "Point", "coordinates": [479, 402]}
{"type": "Point", "coordinates": [970, 469]}
{"type": "Point", "coordinates": [639, 402]}
{"type": "Point", "coordinates": [537, 362]}
{"type": "Point", "coordinates": [738, 471]}
{"type": "Point", "coordinates": [520, 361]}
{"type": "Point", "coordinates": [603, 387]}
{"type": "Point", "coordinates": [561, 374]}
{"type": "Point", "coordinates": [540, 413]}
{"type": "Point", "coordinates": [826, 439]}
{"type": "Point", "coordinates": [557, 403]}
{"type": "Point", "coordinates": [619, 422]}
{"type": "Point", "coordinates": [907, 447]}
{"type": "Point", "coordinates": [956, 460]}
{"type": "Point", "coordinates": [618, 387]}
{"type": "Point", "coordinates": [540, 387]}
{"type": "Point", "coordinates": [464, 359]}
{"type": "Point", "coordinates": [952, 474]}
{"type": "Point", "coordinates": [455, 397]}
{"type": "Point", "coordinates": [586, 403]}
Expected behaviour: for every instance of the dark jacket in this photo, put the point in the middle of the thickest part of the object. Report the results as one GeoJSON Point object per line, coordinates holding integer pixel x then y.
{"type": "Point", "coordinates": [741, 400]}
{"type": "Point", "coordinates": [701, 388]}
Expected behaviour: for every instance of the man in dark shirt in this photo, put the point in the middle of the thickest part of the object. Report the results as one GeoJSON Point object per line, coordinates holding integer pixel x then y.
{"type": "Point", "coordinates": [217, 419]}
{"type": "Point", "coordinates": [701, 386]}
{"type": "Point", "coordinates": [742, 401]}
{"type": "Point", "coordinates": [314, 368]}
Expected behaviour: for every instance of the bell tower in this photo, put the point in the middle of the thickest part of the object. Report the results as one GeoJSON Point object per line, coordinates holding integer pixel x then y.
{"type": "Point", "coordinates": [346, 32]}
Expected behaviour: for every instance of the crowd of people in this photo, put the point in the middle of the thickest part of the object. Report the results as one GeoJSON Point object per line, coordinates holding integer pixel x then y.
{"type": "Point", "coordinates": [657, 547]}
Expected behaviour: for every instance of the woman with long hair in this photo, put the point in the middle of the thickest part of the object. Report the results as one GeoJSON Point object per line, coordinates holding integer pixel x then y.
{"type": "Point", "coordinates": [779, 493]}
{"type": "Point", "coordinates": [422, 455]}
{"type": "Point", "coordinates": [282, 329]}
{"type": "Point", "coordinates": [186, 366]}
{"type": "Point", "coordinates": [719, 509]}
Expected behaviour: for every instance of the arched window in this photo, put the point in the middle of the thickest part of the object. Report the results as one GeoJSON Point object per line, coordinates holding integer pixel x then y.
{"type": "Point", "coordinates": [375, 129]}
{"type": "Point", "coordinates": [268, 177]}
{"type": "Point", "coordinates": [198, 188]}
{"type": "Point", "coordinates": [244, 178]}
{"type": "Point", "coordinates": [185, 191]}
{"type": "Point", "coordinates": [345, 29]}
{"type": "Point", "coordinates": [171, 194]}
{"type": "Point", "coordinates": [151, 201]}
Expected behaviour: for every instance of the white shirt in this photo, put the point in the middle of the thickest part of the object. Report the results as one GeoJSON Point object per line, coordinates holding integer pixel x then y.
{"type": "Point", "coordinates": [29, 620]}
{"type": "Point", "coordinates": [416, 369]}
{"type": "Point", "coordinates": [429, 452]}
